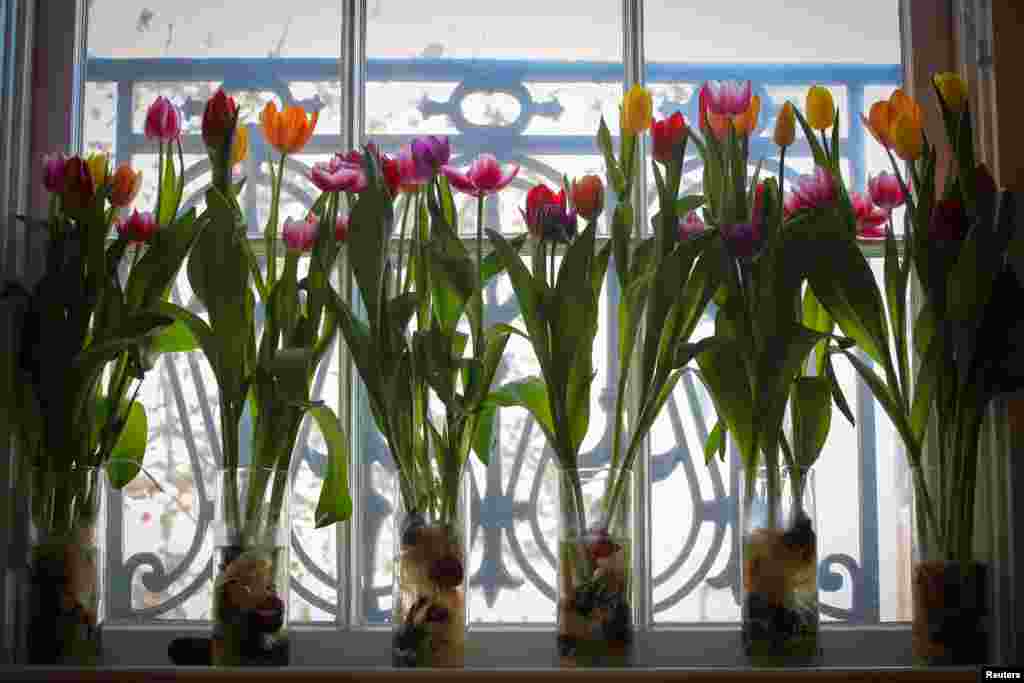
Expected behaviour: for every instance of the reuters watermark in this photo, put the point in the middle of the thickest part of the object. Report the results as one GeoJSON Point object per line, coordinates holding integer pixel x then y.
{"type": "Point", "coordinates": [1001, 673]}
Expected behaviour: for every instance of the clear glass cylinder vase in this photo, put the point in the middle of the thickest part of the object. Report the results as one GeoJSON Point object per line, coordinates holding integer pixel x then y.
{"type": "Point", "coordinates": [59, 598]}
{"type": "Point", "coordinates": [252, 537]}
{"type": "Point", "coordinates": [596, 590]}
{"type": "Point", "coordinates": [429, 610]}
{"type": "Point", "coordinates": [779, 570]}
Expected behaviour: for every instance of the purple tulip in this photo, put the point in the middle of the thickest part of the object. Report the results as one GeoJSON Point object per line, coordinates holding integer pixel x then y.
{"type": "Point", "coordinates": [742, 239]}
{"type": "Point", "coordinates": [430, 153]}
{"type": "Point", "coordinates": [53, 172]}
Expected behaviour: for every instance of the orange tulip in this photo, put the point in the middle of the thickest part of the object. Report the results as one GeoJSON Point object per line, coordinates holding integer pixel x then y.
{"type": "Point", "coordinates": [905, 126]}
{"type": "Point", "coordinates": [588, 196]}
{"type": "Point", "coordinates": [240, 145]}
{"type": "Point", "coordinates": [719, 124]}
{"type": "Point", "coordinates": [785, 126]}
{"type": "Point", "coordinates": [288, 131]}
{"type": "Point", "coordinates": [877, 123]}
{"type": "Point", "coordinates": [746, 122]}
{"type": "Point", "coordinates": [124, 186]}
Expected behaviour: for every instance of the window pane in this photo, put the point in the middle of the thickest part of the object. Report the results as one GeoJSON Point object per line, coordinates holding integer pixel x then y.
{"type": "Point", "coordinates": [185, 50]}
{"type": "Point", "coordinates": [527, 82]}
{"type": "Point", "coordinates": [854, 50]}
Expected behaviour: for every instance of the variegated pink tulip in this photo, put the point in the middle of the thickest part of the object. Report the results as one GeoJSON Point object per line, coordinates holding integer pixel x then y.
{"type": "Point", "coordinates": [690, 226]}
{"type": "Point", "coordinates": [870, 218]}
{"type": "Point", "coordinates": [338, 175]}
{"type": "Point", "coordinates": [163, 121]}
{"type": "Point", "coordinates": [483, 177]}
{"type": "Point", "coordinates": [885, 191]}
{"type": "Point", "coordinates": [300, 235]}
{"type": "Point", "coordinates": [727, 98]}
{"type": "Point", "coordinates": [811, 191]}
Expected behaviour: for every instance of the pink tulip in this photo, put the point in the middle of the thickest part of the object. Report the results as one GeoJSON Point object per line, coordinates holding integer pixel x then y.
{"type": "Point", "coordinates": [870, 218]}
{"type": "Point", "coordinates": [430, 152]}
{"type": "Point", "coordinates": [138, 228]}
{"type": "Point", "coordinates": [727, 98]}
{"type": "Point", "coordinates": [886, 191]}
{"type": "Point", "coordinates": [53, 172]}
{"type": "Point", "coordinates": [163, 122]}
{"type": "Point", "coordinates": [483, 177]}
{"type": "Point", "coordinates": [338, 175]}
{"type": "Point", "coordinates": [810, 191]}
{"type": "Point", "coordinates": [341, 229]}
{"type": "Point", "coordinates": [300, 235]}
{"type": "Point", "coordinates": [690, 226]}
{"type": "Point", "coordinates": [411, 174]}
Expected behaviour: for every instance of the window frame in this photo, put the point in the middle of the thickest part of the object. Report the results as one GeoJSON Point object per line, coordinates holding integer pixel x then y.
{"type": "Point", "coordinates": [132, 644]}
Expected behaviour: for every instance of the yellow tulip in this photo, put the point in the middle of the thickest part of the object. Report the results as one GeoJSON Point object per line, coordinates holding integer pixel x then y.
{"type": "Point", "coordinates": [785, 126]}
{"type": "Point", "coordinates": [240, 146]}
{"type": "Point", "coordinates": [953, 90]}
{"type": "Point", "coordinates": [637, 108]}
{"type": "Point", "coordinates": [288, 131]}
{"type": "Point", "coordinates": [97, 164]}
{"type": "Point", "coordinates": [907, 139]}
{"type": "Point", "coordinates": [821, 110]}
{"type": "Point", "coordinates": [746, 122]}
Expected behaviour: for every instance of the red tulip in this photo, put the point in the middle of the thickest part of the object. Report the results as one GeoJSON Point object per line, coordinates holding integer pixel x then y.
{"type": "Point", "coordinates": [949, 221]}
{"type": "Point", "coordinates": [219, 119]}
{"type": "Point", "coordinates": [667, 134]}
{"type": "Point", "coordinates": [138, 228]}
{"type": "Point", "coordinates": [537, 199]}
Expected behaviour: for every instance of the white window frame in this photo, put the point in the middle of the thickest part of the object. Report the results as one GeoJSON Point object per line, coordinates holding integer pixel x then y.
{"type": "Point", "coordinates": [132, 644]}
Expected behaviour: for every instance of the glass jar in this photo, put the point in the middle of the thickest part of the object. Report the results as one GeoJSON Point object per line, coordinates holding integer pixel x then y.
{"type": "Point", "coordinates": [429, 610]}
{"type": "Point", "coordinates": [779, 571]}
{"type": "Point", "coordinates": [252, 537]}
{"type": "Point", "coordinates": [596, 591]}
{"type": "Point", "coordinates": [59, 598]}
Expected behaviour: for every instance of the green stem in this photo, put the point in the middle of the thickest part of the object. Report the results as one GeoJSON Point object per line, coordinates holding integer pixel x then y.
{"type": "Point", "coordinates": [159, 178]}
{"type": "Point", "coordinates": [401, 243]}
{"type": "Point", "coordinates": [270, 236]}
{"type": "Point", "coordinates": [478, 333]}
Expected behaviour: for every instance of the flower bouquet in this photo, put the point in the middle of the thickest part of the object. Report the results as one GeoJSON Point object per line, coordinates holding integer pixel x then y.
{"type": "Point", "coordinates": [90, 329]}
{"type": "Point", "coordinates": [959, 251]}
{"type": "Point", "coordinates": [270, 379]}
{"type": "Point", "coordinates": [411, 354]}
{"type": "Point", "coordinates": [767, 354]}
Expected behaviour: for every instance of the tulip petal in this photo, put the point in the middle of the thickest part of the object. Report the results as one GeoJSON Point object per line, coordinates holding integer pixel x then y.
{"type": "Point", "coordinates": [460, 181]}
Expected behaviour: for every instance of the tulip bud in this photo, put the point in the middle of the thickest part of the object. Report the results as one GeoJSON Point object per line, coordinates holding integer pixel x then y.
{"type": "Point", "coordinates": [79, 189]}
{"type": "Point", "coordinates": [138, 228]}
{"type": "Point", "coordinates": [636, 110]}
{"type": "Point", "coordinates": [124, 186]}
{"type": "Point", "coordinates": [746, 122]}
{"type": "Point", "coordinates": [240, 145]}
{"type": "Point", "coordinates": [289, 130]}
{"type": "Point", "coordinates": [300, 235]}
{"type": "Point", "coordinates": [588, 197]}
{"type": "Point", "coordinates": [948, 221]}
{"type": "Point", "coordinates": [430, 153]}
{"type": "Point", "coordinates": [392, 173]}
{"type": "Point", "coordinates": [785, 126]}
{"type": "Point", "coordinates": [53, 172]}
{"type": "Point", "coordinates": [97, 164]}
{"type": "Point", "coordinates": [952, 89]}
{"type": "Point", "coordinates": [821, 110]}
{"type": "Point", "coordinates": [539, 197]}
{"type": "Point", "coordinates": [690, 226]}
{"type": "Point", "coordinates": [885, 191]}
{"type": "Point", "coordinates": [163, 122]}
{"type": "Point", "coordinates": [219, 119]}
{"type": "Point", "coordinates": [879, 122]}
{"type": "Point", "coordinates": [666, 134]}
{"type": "Point", "coordinates": [907, 139]}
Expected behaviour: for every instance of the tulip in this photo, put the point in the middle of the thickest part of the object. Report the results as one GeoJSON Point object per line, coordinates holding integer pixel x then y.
{"type": "Point", "coordinates": [907, 138]}
{"type": "Point", "coordinates": [341, 229]}
{"type": "Point", "coordinates": [537, 199]}
{"type": "Point", "coordinates": [727, 98]}
{"type": "Point", "coordinates": [821, 110]}
{"type": "Point", "coordinates": [877, 123]}
{"type": "Point", "coordinates": [392, 173]}
{"type": "Point", "coordinates": [484, 175]}
{"type": "Point", "coordinates": [98, 169]}
{"type": "Point", "coordinates": [588, 196]}
{"type": "Point", "coordinates": [870, 218]}
{"type": "Point", "coordinates": [124, 186]}
{"type": "Point", "coordinates": [138, 228]}
{"type": "Point", "coordinates": [289, 130]}
{"type": "Point", "coordinates": [637, 107]}
{"type": "Point", "coordinates": [948, 221]}
{"type": "Point", "coordinates": [785, 126]}
{"type": "Point", "coordinates": [53, 172]}
{"type": "Point", "coordinates": [667, 134]}
{"type": "Point", "coordinates": [79, 188]}
{"type": "Point", "coordinates": [742, 239]}
{"type": "Point", "coordinates": [757, 210]}
{"type": "Point", "coordinates": [240, 145]}
{"type": "Point", "coordinates": [300, 235]}
{"type": "Point", "coordinates": [163, 122]}
{"type": "Point", "coordinates": [952, 89]}
{"type": "Point", "coordinates": [411, 174]}
{"type": "Point", "coordinates": [430, 153]}
{"type": "Point", "coordinates": [691, 226]}
{"type": "Point", "coordinates": [338, 175]}
{"type": "Point", "coordinates": [219, 119]}
{"type": "Point", "coordinates": [746, 123]}
{"type": "Point", "coordinates": [811, 191]}
{"type": "Point", "coordinates": [885, 191]}
{"type": "Point", "coordinates": [558, 223]}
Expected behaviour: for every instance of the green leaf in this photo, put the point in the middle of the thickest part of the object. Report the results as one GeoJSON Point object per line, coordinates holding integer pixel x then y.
{"type": "Point", "coordinates": [177, 338]}
{"type": "Point", "coordinates": [529, 291]}
{"type": "Point", "coordinates": [838, 397]}
{"type": "Point", "coordinates": [604, 143]}
{"type": "Point", "coordinates": [483, 439]}
{"type": "Point", "coordinates": [530, 393]}
{"type": "Point", "coordinates": [811, 409]}
{"type": "Point", "coordinates": [925, 388]}
{"type": "Point", "coordinates": [880, 390]}
{"type": "Point", "coordinates": [817, 151]}
{"type": "Point", "coordinates": [169, 193]}
{"type": "Point", "coordinates": [335, 502]}
{"type": "Point", "coordinates": [685, 205]}
{"type": "Point", "coordinates": [715, 443]}
{"type": "Point", "coordinates": [151, 278]}
{"type": "Point", "coordinates": [128, 452]}
{"type": "Point", "coordinates": [723, 370]}
{"type": "Point", "coordinates": [493, 265]}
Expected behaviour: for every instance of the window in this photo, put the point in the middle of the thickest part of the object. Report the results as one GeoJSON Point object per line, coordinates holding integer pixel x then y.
{"type": "Point", "coordinates": [528, 83]}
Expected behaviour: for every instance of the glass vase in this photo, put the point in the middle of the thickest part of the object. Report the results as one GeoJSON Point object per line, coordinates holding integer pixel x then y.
{"type": "Point", "coordinates": [779, 571]}
{"type": "Point", "coordinates": [252, 537]}
{"type": "Point", "coordinates": [596, 600]}
{"type": "Point", "coordinates": [58, 602]}
{"type": "Point", "coordinates": [429, 611]}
